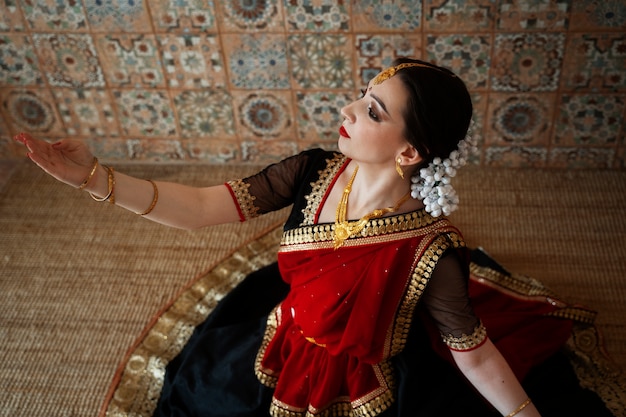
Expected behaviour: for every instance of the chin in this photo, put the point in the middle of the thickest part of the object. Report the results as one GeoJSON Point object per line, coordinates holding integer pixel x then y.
{"type": "Point", "coordinates": [343, 145]}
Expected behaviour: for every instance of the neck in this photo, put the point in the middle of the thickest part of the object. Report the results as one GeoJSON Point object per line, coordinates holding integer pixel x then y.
{"type": "Point", "coordinates": [374, 188]}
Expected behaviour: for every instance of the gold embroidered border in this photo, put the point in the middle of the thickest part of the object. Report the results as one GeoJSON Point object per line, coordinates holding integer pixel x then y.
{"type": "Point", "coordinates": [137, 387]}
{"type": "Point", "coordinates": [422, 273]}
{"type": "Point", "coordinates": [266, 376]}
{"type": "Point", "coordinates": [319, 187]}
{"type": "Point", "coordinates": [594, 369]}
{"type": "Point", "coordinates": [524, 287]}
{"type": "Point", "coordinates": [368, 406]}
{"type": "Point", "coordinates": [320, 236]}
{"type": "Point", "coordinates": [245, 200]}
{"type": "Point", "coordinates": [466, 341]}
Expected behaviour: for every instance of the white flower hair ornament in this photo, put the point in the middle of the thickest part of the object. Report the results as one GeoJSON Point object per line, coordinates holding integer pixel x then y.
{"type": "Point", "coordinates": [433, 184]}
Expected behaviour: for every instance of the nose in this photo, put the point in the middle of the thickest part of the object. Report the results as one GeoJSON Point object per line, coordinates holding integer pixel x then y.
{"type": "Point", "coordinates": [347, 112]}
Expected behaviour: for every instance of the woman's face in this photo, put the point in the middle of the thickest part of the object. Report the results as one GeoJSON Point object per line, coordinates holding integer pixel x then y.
{"type": "Point", "coordinates": [373, 127]}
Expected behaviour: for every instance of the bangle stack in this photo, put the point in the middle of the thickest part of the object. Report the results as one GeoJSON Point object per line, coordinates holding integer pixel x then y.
{"type": "Point", "coordinates": [520, 408]}
{"type": "Point", "coordinates": [110, 197]}
{"type": "Point", "coordinates": [111, 187]}
{"type": "Point", "coordinates": [91, 174]}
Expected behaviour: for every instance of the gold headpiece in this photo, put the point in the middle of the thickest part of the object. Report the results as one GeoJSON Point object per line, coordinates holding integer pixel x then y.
{"type": "Point", "coordinates": [391, 71]}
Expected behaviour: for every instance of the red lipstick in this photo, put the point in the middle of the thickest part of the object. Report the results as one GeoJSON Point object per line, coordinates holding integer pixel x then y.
{"type": "Point", "coordinates": [343, 132]}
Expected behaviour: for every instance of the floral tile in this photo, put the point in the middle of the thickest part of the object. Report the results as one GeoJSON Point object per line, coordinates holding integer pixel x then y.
{"type": "Point", "coordinates": [31, 110]}
{"type": "Point", "coordinates": [468, 56]}
{"type": "Point", "coordinates": [86, 112]}
{"type": "Point", "coordinates": [515, 157]}
{"type": "Point", "coordinates": [256, 62]}
{"type": "Point", "coordinates": [145, 112]}
{"type": "Point", "coordinates": [477, 125]}
{"type": "Point", "coordinates": [114, 150]}
{"type": "Point", "coordinates": [131, 60]}
{"type": "Point", "coordinates": [118, 15]}
{"type": "Point", "coordinates": [211, 151]}
{"type": "Point", "coordinates": [519, 120]}
{"type": "Point", "coordinates": [11, 17]}
{"type": "Point", "coordinates": [156, 150]}
{"type": "Point", "coordinates": [390, 15]}
{"type": "Point", "coordinates": [183, 15]}
{"type": "Point", "coordinates": [458, 15]}
{"type": "Point", "coordinates": [377, 52]}
{"type": "Point", "coordinates": [527, 62]}
{"type": "Point", "coordinates": [255, 16]}
{"type": "Point", "coordinates": [329, 145]}
{"type": "Point", "coordinates": [254, 81]}
{"type": "Point", "coordinates": [317, 15]}
{"type": "Point", "coordinates": [109, 149]}
{"type": "Point", "coordinates": [589, 120]}
{"type": "Point", "coordinates": [205, 113]}
{"type": "Point", "coordinates": [192, 61]}
{"type": "Point", "coordinates": [515, 15]}
{"type": "Point", "coordinates": [264, 116]}
{"type": "Point", "coordinates": [43, 15]}
{"type": "Point", "coordinates": [582, 158]}
{"type": "Point", "coordinates": [267, 152]}
{"type": "Point", "coordinates": [319, 114]}
{"type": "Point", "coordinates": [69, 60]}
{"type": "Point", "coordinates": [593, 15]}
{"type": "Point", "coordinates": [596, 61]}
{"type": "Point", "coordinates": [321, 61]}
{"type": "Point", "coordinates": [18, 61]}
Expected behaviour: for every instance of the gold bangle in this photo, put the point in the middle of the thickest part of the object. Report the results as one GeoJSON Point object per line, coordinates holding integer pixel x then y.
{"type": "Point", "coordinates": [111, 187]}
{"type": "Point", "coordinates": [520, 408]}
{"type": "Point", "coordinates": [90, 176]}
{"type": "Point", "coordinates": [155, 198]}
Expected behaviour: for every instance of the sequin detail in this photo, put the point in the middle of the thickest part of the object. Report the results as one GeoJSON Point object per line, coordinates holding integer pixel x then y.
{"type": "Point", "coordinates": [467, 341]}
{"type": "Point", "coordinates": [245, 200]}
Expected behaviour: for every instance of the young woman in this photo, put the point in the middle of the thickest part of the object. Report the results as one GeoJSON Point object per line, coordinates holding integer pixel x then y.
{"type": "Point", "coordinates": [367, 311]}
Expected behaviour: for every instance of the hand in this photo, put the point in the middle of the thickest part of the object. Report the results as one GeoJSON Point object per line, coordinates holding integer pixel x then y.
{"type": "Point", "coordinates": [69, 161]}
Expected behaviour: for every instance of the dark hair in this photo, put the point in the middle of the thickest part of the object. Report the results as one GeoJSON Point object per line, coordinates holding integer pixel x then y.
{"type": "Point", "coordinates": [438, 111]}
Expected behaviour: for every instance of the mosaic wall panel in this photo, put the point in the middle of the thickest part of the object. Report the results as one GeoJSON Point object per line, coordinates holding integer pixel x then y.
{"type": "Point", "coordinates": [230, 81]}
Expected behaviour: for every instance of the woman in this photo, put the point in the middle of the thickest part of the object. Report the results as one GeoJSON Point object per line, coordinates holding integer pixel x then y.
{"type": "Point", "coordinates": [373, 305]}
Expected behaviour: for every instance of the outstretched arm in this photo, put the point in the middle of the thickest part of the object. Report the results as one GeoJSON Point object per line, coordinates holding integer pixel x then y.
{"type": "Point", "coordinates": [488, 371]}
{"type": "Point", "coordinates": [181, 206]}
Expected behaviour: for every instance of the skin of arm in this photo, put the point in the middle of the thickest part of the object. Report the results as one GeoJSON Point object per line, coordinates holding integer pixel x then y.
{"type": "Point", "coordinates": [178, 205]}
{"type": "Point", "coordinates": [181, 206]}
{"type": "Point", "coordinates": [490, 374]}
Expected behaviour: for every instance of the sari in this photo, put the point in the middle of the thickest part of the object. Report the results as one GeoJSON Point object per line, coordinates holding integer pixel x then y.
{"type": "Point", "coordinates": [355, 331]}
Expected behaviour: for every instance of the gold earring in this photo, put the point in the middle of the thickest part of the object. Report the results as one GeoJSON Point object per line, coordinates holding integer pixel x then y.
{"type": "Point", "coordinates": [399, 168]}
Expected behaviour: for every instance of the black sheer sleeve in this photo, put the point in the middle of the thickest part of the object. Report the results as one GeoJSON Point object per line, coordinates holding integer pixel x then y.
{"type": "Point", "coordinates": [277, 186]}
{"type": "Point", "coordinates": [447, 301]}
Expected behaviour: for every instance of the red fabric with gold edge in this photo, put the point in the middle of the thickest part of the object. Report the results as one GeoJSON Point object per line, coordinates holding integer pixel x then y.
{"type": "Point", "coordinates": [346, 301]}
{"type": "Point", "coordinates": [524, 328]}
{"type": "Point", "coordinates": [516, 323]}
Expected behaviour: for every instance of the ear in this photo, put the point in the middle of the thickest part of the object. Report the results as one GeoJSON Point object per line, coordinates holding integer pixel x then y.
{"type": "Point", "coordinates": [410, 156]}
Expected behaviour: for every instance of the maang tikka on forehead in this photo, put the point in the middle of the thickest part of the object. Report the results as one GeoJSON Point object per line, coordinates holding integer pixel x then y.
{"type": "Point", "coordinates": [391, 71]}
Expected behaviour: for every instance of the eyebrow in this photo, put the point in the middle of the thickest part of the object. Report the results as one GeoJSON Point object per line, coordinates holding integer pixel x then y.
{"type": "Point", "coordinates": [380, 102]}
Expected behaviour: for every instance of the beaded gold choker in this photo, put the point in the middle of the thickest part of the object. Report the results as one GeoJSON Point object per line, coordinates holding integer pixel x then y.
{"type": "Point", "coordinates": [391, 71]}
{"type": "Point", "coordinates": [343, 228]}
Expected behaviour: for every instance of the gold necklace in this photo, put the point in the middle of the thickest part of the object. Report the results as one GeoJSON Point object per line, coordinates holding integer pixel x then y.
{"type": "Point", "coordinates": [343, 228]}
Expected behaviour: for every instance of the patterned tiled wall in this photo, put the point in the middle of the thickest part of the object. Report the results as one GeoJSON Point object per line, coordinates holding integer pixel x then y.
{"type": "Point", "coordinates": [216, 81]}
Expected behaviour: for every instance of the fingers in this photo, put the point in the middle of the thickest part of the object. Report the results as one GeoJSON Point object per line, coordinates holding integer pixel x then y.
{"type": "Point", "coordinates": [30, 142]}
{"type": "Point", "coordinates": [22, 137]}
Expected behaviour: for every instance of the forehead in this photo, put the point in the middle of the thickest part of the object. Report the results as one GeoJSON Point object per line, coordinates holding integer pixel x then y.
{"type": "Point", "coordinates": [392, 93]}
